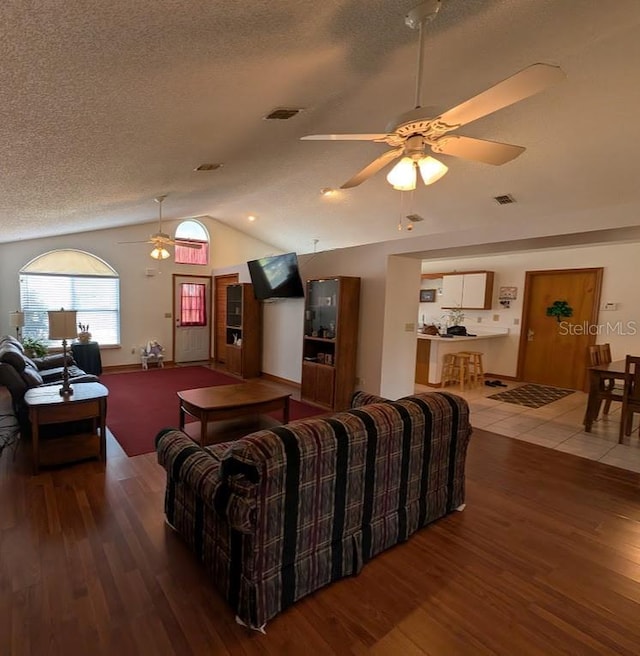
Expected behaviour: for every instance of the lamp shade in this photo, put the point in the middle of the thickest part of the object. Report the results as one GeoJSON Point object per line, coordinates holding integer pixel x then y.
{"type": "Point", "coordinates": [62, 324]}
{"type": "Point", "coordinates": [403, 175]}
{"type": "Point", "coordinates": [431, 169]}
{"type": "Point", "coordinates": [159, 253]}
{"type": "Point", "coordinates": [17, 319]}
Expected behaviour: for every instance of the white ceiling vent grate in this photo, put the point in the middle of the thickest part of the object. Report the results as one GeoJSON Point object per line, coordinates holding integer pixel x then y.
{"type": "Point", "coordinates": [506, 199]}
{"type": "Point", "coordinates": [282, 113]}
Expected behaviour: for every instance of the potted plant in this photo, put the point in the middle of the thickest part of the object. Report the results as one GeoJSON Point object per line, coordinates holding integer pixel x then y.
{"type": "Point", "coordinates": [34, 347]}
{"type": "Point", "coordinates": [454, 317]}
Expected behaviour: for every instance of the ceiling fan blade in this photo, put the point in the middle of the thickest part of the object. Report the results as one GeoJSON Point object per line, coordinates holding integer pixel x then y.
{"type": "Point", "coordinates": [345, 137]}
{"type": "Point", "coordinates": [527, 82]}
{"type": "Point", "coordinates": [477, 150]}
{"type": "Point", "coordinates": [137, 241]}
{"type": "Point", "coordinates": [372, 168]}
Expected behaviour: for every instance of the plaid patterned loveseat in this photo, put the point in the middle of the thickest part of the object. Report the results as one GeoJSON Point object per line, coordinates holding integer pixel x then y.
{"type": "Point", "coordinates": [280, 513]}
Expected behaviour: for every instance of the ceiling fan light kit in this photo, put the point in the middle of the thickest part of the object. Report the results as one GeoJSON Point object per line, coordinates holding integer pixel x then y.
{"type": "Point", "coordinates": [431, 169]}
{"type": "Point", "coordinates": [421, 129]}
{"type": "Point", "coordinates": [159, 253]}
{"type": "Point", "coordinates": [403, 176]}
{"type": "Point", "coordinates": [161, 239]}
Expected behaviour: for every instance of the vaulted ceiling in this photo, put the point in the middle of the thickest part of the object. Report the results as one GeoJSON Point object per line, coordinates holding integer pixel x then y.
{"type": "Point", "coordinates": [103, 108]}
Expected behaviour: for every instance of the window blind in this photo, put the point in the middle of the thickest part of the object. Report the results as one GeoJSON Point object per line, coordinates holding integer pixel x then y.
{"type": "Point", "coordinates": [186, 255]}
{"type": "Point", "coordinates": [95, 298]}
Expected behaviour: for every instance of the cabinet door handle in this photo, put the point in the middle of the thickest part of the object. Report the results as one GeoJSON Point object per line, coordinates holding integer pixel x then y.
{"type": "Point", "coordinates": [530, 335]}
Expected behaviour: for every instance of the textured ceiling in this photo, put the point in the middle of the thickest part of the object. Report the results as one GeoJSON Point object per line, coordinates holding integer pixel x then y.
{"type": "Point", "coordinates": [103, 108]}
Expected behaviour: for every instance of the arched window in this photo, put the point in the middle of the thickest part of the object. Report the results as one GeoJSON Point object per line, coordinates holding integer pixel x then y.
{"type": "Point", "coordinates": [73, 280]}
{"type": "Point", "coordinates": [195, 233]}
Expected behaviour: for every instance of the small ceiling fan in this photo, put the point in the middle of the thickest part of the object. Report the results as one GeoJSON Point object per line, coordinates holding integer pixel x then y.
{"type": "Point", "coordinates": [413, 134]}
{"type": "Point", "coordinates": [161, 239]}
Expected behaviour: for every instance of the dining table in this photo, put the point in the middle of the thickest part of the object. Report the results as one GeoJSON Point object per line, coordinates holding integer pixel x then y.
{"type": "Point", "coordinates": [599, 374]}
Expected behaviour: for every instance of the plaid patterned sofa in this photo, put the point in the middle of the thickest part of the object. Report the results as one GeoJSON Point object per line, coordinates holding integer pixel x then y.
{"type": "Point", "coordinates": [282, 512]}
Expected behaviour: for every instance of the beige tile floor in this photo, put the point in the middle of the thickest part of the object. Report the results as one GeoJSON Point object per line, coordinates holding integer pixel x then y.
{"type": "Point", "coordinates": [557, 425]}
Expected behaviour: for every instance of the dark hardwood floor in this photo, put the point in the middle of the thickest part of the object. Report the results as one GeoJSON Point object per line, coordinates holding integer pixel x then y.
{"type": "Point", "coordinates": [544, 560]}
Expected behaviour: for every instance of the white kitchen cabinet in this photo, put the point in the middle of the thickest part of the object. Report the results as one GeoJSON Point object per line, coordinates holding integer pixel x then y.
{"type": "Point", "coordinates": [468, 291]}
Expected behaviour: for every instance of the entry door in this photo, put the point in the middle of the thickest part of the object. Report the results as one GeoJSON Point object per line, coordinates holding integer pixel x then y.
{"type": "Point", "coordinates": [192, 318]}
{"type": "Point", "coordinates": [553, 351]}
{"type": "Point", "coordinates": [221, 283]}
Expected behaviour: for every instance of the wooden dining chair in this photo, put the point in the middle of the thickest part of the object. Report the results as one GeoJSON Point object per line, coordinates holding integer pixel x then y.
{"type": "Point", "coordinates": [601, 354]}
{"type": "Point", "coordinates": [630, 396]}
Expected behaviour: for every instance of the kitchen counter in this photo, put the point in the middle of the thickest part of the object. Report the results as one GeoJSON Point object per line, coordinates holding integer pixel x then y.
{"type": "Point", "coordinates": [432, 348]}
{"type": "Point", "coordinates": [463, 338]}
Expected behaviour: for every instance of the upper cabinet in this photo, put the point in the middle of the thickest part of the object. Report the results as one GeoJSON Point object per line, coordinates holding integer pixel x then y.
{"type": "Point", "coordinates": [468, 291]}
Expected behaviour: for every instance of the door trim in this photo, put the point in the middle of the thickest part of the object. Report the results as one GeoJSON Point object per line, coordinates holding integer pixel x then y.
{"type": "Point", "coordinates": [174, 278]}
{"type": "Point", "coordinates": [526, 306]}
{"type": "Point", "coordinates": [233, 279]}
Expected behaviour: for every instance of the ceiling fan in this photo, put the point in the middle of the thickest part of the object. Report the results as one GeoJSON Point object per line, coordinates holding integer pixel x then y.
{"type": "Point", "coordinates": [413, 134]}
{"type": "Point", "coordinates": [161, 239]}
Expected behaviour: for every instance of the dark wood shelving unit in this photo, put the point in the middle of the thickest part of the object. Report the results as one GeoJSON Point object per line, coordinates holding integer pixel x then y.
{"type": "Point", "coordinates": [243, 331]}
{"type": "Point", "coordinates": [331, 315]}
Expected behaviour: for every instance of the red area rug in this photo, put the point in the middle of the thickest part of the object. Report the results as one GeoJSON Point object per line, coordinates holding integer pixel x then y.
{"type": "Point", "coordinates": [141, 403]}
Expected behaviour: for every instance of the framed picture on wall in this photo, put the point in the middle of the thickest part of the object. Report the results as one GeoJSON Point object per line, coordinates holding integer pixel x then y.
{"type": "Point", "coordinates": [427, 296]}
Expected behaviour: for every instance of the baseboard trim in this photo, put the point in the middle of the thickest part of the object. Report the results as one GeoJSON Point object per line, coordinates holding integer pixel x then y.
{"type": "Point", "coordinates": [277, 379]}
{"type": "Point", "coordinates": [115, 368]}
{"type": "Point", "coordinates": [502, 377]}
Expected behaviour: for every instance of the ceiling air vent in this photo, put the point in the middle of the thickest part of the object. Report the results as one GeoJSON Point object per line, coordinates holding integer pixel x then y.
{"type": "Point", "coordinates": [507, 199]}
{"type": "Point", "coordinates": [282, 113]}
{"type": "Point", "coordinates": [414, 218]}
{"type": "Point", "coordinates": [208, 167]}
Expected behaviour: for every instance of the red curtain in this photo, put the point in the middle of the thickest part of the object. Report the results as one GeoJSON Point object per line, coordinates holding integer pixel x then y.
{"type": "Point", "coordinates": [186, 255]}
{"type": "Point", "coordinates": [193, 305]}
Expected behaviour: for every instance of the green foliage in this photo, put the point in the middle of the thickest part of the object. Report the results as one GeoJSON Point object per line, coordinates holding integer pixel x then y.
{"type": "Point", "coordinates": [560, 310]}
{"type": "Point", "coordinates": [454, 317]}
{"type": "Point", "coordinates": [35, 346]}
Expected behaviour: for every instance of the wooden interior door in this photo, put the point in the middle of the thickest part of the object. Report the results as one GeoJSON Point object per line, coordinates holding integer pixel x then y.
{"type": "Point", "coordinates": [220, 290]}
{"type": "Point", "coordinates": [555, 352]}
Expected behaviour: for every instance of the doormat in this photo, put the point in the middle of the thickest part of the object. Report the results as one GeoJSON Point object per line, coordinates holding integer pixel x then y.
{"type": "Point", "coordinates": [532, 396]}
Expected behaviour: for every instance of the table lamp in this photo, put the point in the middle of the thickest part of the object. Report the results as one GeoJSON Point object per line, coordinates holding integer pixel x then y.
{"type": "Point", "coordinates": [62, 325]}
{"type": "Point", "coordinates": [17, 321]}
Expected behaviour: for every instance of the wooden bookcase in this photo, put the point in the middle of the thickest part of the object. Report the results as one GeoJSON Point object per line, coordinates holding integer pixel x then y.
{"type": "Point", "coordinates": [243, 331]}
{"type": "Point", "coordinates": [331, 312]}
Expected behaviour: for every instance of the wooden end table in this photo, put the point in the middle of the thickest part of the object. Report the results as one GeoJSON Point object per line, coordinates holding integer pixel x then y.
{"type": "Point", "coordinates": [47, 406]}
{"type": "Point", "coordinates": [208, 404]}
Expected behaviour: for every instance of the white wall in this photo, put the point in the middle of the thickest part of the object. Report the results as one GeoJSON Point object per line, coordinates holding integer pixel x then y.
{"type": "Point", "coordinates": [399, 343]}
{"type": "Point", "coordinates": [282, 338]}
{"type": "Point", "coordinates": [620, 266]}
{"type": "Point", "coordinates": [370, 262]}
{"type": "Point", "coordinates": [144, 300]}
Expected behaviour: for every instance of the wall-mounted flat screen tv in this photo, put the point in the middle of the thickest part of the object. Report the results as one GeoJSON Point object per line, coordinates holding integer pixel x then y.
{"type": "Point", "coordinates": [277, 276]}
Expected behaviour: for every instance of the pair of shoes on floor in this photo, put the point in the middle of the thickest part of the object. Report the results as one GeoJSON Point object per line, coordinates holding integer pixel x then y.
{"type": "Point", "coordinates": [494, 383]}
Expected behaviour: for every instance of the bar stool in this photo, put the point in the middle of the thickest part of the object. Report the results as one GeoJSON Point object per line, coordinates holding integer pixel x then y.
{"type": "Point", "coordinates": [455, 369]}
{"type": "Point", "coordinates": [476, 368]}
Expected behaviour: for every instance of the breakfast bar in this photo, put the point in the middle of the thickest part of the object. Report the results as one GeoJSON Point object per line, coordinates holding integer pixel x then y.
{"type": "Point", "coordinates": [432, 348]}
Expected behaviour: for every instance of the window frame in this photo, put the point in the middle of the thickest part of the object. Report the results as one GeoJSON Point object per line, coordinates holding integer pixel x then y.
{"type": "Point", "coordinates": [83, 266]}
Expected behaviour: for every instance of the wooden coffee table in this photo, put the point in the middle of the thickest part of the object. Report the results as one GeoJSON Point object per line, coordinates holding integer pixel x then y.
{"type": "Point", "coordinates": [230, 402]}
